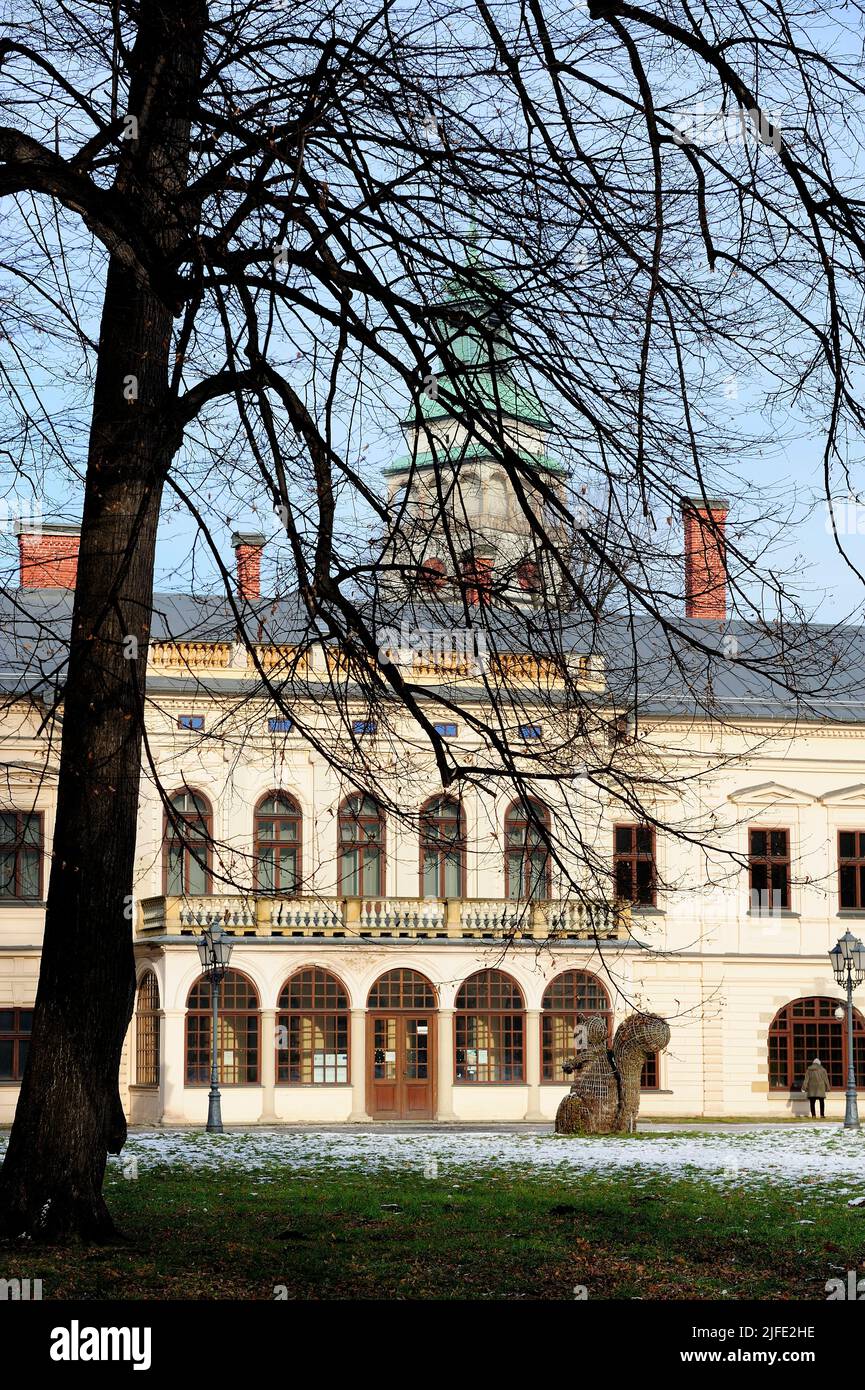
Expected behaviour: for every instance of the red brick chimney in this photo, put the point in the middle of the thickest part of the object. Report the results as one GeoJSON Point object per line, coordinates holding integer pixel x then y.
{"type": "Point", "coordinates": [477, 575]}
{"type": "Point", "coordinates": [705, 557]}
{"type": "Point", "coordinates": [48, 555]}
{"type": "Point", "coordinates": [248, 546]}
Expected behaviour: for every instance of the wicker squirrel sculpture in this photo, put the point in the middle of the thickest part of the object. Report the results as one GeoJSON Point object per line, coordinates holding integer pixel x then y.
{"type": "Point", "coordinates": [605, 1090]}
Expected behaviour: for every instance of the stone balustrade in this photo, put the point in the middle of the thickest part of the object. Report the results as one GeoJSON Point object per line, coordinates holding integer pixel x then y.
{"type": "Point", "coordinates": [498, 919]}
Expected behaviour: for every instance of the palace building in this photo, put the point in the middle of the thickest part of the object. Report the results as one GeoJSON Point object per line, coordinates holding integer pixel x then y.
{"type": "Point", "coordinates": [431, 967]}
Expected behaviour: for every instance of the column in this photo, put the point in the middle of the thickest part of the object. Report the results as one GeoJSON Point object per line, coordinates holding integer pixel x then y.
{"type": "Point", "coordinates": [445, 1065]}
{"type": "Point", "coordinates": [533, 1063]}
{"type": "Point", "coordinates": [172, 1067]}
{"type": "Point", "coordinates": [358, 1067]}
{"type": "Point", "coordinates": [268, 1067]}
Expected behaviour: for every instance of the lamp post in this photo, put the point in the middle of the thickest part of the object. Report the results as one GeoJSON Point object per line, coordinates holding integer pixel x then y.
{"type": "Point", "coordinates": [214, 948]}
{"type": "Point", "coordinates": [848, 967]}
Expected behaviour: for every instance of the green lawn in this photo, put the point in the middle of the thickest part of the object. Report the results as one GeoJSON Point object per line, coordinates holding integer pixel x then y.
{"type": "Point", "coordinates": [348, 1235]}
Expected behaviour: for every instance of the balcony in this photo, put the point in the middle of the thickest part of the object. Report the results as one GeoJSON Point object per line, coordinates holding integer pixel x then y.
{"type": "Point", "coordinates": [459, 919]}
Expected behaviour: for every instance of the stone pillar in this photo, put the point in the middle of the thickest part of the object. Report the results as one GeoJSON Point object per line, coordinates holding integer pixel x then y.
{"type": "Point", "coordinates": [445, 1065]}
{"type": "Point", "coordinates": [533, 1064]}
{"type": "Point", "coordinates": [172, 1066]}
{"type": "Point", "coordinates": [268, 1067]}
{"type": "Point", "coordinates": [358, 1067]}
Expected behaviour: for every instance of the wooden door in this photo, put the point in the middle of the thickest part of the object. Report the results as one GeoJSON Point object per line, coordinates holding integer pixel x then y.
{"type": "Point", "coordinates": [401, 1066]}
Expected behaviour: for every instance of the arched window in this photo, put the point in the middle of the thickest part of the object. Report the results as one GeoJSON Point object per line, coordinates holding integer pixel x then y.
{"type": "Point", "coordinates": [361, 848]}
{"type": "Point", "coordinates": [401, 989]}
{"type": "Point", "coordinates": [489, 1028]}
{"type": "Point", "coordinates": [571, 993]}
{"type": "Point", "coordinates": [147, 1031]}
{"type": "Point", "coordinates": [442, 849]}
{"type": "Point", "coordinates": [527, 855]}
{"type": "Point", "coordinates": [188, 841]}
{"type": "Point", "coordinates": [278, 829]}
{"type": "Point", "coordinates": [237, 1040]}
{"type": "Point", "coordinates": [312, 1030]}
{"type": "Point", "coordinates": [808, 1028]}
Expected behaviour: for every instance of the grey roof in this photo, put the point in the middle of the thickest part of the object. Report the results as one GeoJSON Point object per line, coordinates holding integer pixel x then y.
{"type": "Point", "coordinates": [733, 670]}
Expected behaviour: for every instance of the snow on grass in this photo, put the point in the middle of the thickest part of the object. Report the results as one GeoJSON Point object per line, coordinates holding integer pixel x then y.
{"type": "Point", "coordinates": [744, 1158]}
{"type": "Point", "coordinates": [816, 1156]}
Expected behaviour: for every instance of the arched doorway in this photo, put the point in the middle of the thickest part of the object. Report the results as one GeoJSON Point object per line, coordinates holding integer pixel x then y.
{"type": "Point", "coordinates": [401, 1047]}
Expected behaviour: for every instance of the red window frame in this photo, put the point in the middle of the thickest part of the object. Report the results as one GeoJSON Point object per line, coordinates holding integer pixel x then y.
{"type": "Point", "coordinates": [634, 847]}
{"type": "Point", "coordinates": [436, 839]}
{"type": "Point", "coordinates": [769, 867]}
{"type": "Point", "coordinates": [276, 841]}
{"type": "Point", "coordinates": [200, 815]}
{"type": "Point", "coordinates": [20, 848]}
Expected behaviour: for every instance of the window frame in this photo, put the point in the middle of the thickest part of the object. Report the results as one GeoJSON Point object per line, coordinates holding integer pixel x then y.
{"type": "Point", "coordinates": [171, 837]}
{"type": "Point", "coordinates": [856, 862]}
{"type": "Point", "coordinates": [550, 1014]}
{"type": "Point", "coordinates": [768, 861]}
{"type": "Point", "coordinates": [526, 851]}
{"type": "Point", "coordinates": [258, 842]}
{"type": "Point", "coordinates": [783, 1028]}
{"type": "Point", "coordinates": [16, 1035]}
{"type": "Point", "coordinates": [634, 856]}
{"type": "Point", "coordinates": [19, 848]}
{"type": "Point", "coordinates": [147, 1031]}
{"type": "Point", "coordinates": [462, 1015]}
{"type": "Point", "coordinates": [434, 845]}
{"type": "Point", "coordinates": [322, 1017]}
{"type": "Point", "coordinates": [204, 1014]}
{"type": "Point", "coordinates": [358, 844]}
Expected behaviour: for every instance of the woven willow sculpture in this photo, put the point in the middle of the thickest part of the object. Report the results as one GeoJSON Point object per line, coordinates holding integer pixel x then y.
{"type": "Point", "coordinates": [605, 1091]}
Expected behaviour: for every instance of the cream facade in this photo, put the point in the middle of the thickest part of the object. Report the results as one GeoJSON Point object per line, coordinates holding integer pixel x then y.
{"type": "Point", "coordinates": [705, 956]}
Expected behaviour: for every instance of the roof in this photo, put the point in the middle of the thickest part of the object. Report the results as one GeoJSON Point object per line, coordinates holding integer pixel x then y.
{"type": "Point", "coordinates": [685, 668]}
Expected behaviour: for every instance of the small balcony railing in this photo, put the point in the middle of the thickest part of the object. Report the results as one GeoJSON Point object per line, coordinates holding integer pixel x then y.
{"type": "Point", "coordinates": [496, 919]}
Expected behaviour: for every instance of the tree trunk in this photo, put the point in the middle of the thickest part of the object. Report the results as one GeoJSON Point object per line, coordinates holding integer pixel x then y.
{"type": "Point", "coordinates": [69, 1116]}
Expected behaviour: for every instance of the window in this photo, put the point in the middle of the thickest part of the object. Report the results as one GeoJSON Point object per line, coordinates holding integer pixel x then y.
{"type": "Point", "coordinates": [16, 1026]}
{"type": "Point", "coordinates": [278, 825]}
{"type": "Point", "coordinates": [361, 848]}
{"type": "Point", "coordinates": [649, 1075]}
{"type": "Point", "coordinates": [147, 1032]}
{"type": "Point", "coordinates": [808, 1028]}
{"type": "Point", "coordinates": [401, 989]}
{"type": "Point", "coordinates": [442, 849]}
{"type": "Point", "coordinates": [446, 730]}
{"type": "Point", "coordinates": [634, 861]}
{"type": "Point", "coordinates": [569, 994]}
{"type": "Point", "coordinates": [280, 726]}
{"type": "Point", "coordinates": [489, 1029]}
{"type": "Point", "coordinates": [191, 721]}
{"type": "Point", "coordinates": [237, 1040]}
{"type": "Point", "coordinates": [188, 837]}
{"type": "Point", "coordinates": [769, 858]}
{"type": "Point", "coordinates": [363, 726]}
{"type": "Point", "coordinates": [21, 855]}
{"type": "Point", "coordinates": [527, 855]}
{"type": "Point", "coordinates": [530, 732]}
{"type": "Point", "coordinates": [851, 869]}
{"type": "Point", "coordinates": [313, 1031]}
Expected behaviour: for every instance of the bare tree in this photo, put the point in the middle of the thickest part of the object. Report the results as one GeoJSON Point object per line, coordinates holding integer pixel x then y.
{"type": "Point", "coordinates": [229, 227]}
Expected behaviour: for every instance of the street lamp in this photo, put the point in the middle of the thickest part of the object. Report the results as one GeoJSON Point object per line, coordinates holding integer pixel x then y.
{"type": "Point", "coordinates": [848, 967]}
{"type": "Point", "coordinates": [214, 948]}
